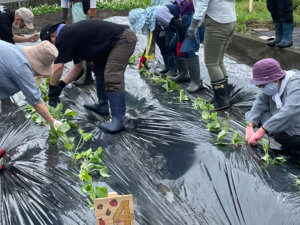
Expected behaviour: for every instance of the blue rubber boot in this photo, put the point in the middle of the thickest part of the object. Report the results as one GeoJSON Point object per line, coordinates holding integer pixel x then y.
{"type": "Point", "coordinates": [118, 109]}
{"type": "Point", "coordinates": [278, 34]}
{"type": "Point", "coordinates": [286, 41]}
{"type": "Point", "coordinates": [101, 107]}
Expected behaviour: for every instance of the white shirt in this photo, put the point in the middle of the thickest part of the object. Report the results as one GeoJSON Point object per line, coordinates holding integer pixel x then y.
{"type": "Point", "coordinates": [65, 4]}
{"type": "Point", "coordinates": [221, 11]}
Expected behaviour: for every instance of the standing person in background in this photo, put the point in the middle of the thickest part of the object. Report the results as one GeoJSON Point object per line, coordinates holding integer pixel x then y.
{"type": "Point", "coordinates": [282, 15]}
{"type": "Point", "coordinates": [18, 19]}
{"type": "Point", "coordinates": [219, 17]}
{"type": "Point", "coordinates": [81, 10]}
{"type": "Point", "coordinates": [276, 111]}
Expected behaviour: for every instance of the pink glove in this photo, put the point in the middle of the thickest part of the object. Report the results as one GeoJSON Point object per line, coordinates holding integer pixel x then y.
{"type": "Point", "coordinates": [2, 152]}
{"type": "Point", "coordinates": [256, 137]}
{"type": "Point", "coordinates": [57, 123]}
{"type": "Point", "coordinates": [249, 132]}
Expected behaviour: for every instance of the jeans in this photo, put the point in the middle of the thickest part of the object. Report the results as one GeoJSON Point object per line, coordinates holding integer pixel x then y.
{"type": "Point", "coordinates": [281, 10]}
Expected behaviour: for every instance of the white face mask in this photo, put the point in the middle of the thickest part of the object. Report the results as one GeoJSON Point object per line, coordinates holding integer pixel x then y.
{"type": "Point", "coordinates": [16, 26]}
{"type": "Point", "coordinates": [270, 89]}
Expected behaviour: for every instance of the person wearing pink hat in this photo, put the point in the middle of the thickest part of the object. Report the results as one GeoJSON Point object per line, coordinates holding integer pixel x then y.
{"type": "Point", "coordinates": [277, 109]}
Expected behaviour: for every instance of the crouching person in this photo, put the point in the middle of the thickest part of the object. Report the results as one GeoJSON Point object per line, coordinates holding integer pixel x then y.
{"type": "Point", "coordinates": [277, 108]}
{"type": "Point", "coordinates": [109, 46]}
{"type": "Point", "coordinates": [18, 65]}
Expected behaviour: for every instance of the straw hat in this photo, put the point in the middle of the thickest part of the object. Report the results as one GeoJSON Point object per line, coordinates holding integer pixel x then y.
{"type": "Point", "coordinates": [41, 57]}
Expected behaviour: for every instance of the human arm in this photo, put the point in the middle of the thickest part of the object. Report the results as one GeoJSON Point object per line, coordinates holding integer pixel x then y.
{"type": "Point", "coordinates": [260, 106]}
{"type": "Point", "coordinates": [73, 73]}
{"type": "Point", "coordinates": [200, 7]}
{"type": "Point", "coordinates": [32, 38]}
{"type": "Point", "coordinates": [42, 109]}
{"type": "Point", "coordinates": [57, 72]}
{"type": "Point", "coordinates": [283, 119]}
{"type": "Point", "coordinates": [92, 13]}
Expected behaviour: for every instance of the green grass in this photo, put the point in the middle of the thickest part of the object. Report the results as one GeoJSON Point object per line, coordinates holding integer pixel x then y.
{"type": "Point", "coordinates": [260, 13]}
{"type": "Point", "coordinates": [119, 5]}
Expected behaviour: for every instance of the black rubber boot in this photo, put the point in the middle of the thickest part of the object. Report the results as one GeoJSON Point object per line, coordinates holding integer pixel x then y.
{"type": "Point", "coordinates": [86, 77]}
{"type": "Point", "coordinates": [194, 71]}
{"type": "Point", "coordinates": [54, 92]}
{"type": "Point", "coordinates": [101, 107]}
{"type": "Point", "coordinates": [117, 109]}
{"type": "Point", "coordinates": [278, 34]}
{"type": "Point", "coordinates": [229, 87]}
{"type": "Point", "coordinates": [183, 74]}
{"type": "Point", "coordinates": [220, 100]}
{"type": "Point", "coordinates": [166, 65]}
{"type": "Point", "coordinates": [286, 41]}
{"type": "Point", "coordinates": [65, 12]}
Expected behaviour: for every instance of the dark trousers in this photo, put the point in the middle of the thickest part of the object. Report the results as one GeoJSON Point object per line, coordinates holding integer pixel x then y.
{"type": "Point", "coordinates": [291, 143]}
{"type": "Point", "coordinates": [160, 39]}
{"type": "Point", "coordinates": [112, 67]}
{"type": "Point", "coordinates": [281, 10]}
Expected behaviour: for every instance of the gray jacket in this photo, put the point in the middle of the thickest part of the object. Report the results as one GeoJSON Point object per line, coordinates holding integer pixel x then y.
{"type": "Point", "coordinates": [16, 74]}
{"type": "Point", "coordinates": [287, 118]}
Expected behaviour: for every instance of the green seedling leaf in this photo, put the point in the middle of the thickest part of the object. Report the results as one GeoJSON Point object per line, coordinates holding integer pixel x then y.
{"type": "Point", "coordinates": [103, 170]}
{"type": "Point", "coordinates": [101, 192]}
{"type": "Point", "coordinates": [86, 188]}
{"type": "Point", "coordinates": [199, 103]}
{"type": "Point", "coordinates": [266, 158]}
{"type": "Point", "coordinates": [213, 126]}
{"type": "Point", "coordinates": [237, 139]}
{"type": "Point", "coordinates": [132, 60]}
{"type": "Point", "coordinates": [91, 205]}
{"type": "Point", "coordinates": [69, 146]}
{"type": "Point", "coordinates": [174, 86]}
{"type": "Point", "coordinates": [214, 116]}
{"type": "Point", "coordinates": [53, 139]}
{"type": "Point", "coordinates": [65, 127]}
{"type": "Point", "coordinates": [70, 113]}
{"type": "Point", "coordinates": [298, 181]}
{"type": "Point", "coordinates": [80, 131]}
{"type": "Point", "coordinates": [183, 97]}
{"type": "Point", "coordinates": [278, 161]}
{"type": "Point", "coordinates": [246, 123]}
{"type": "Point", "coordinates": [83, 175]}
{"type": "Point", "coordinates": [73, 126]}
{"type": "Point", "coordinates": [222, 135]}
{"type": "Point", "coordinates": [86, 136]}
{"type": "Point", "coordinates": [206, 115]}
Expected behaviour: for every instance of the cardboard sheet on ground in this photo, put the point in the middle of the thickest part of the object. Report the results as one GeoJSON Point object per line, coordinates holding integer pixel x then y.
{"type": "Point", "coordinates": [166, 159]}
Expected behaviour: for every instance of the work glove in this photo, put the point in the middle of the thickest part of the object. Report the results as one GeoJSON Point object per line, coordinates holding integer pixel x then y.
{"type": "Point", "coordinates": [193, 29]}
{"type": "Point", "coordinates": [54, 92]}
{"type": "Point", "coordinates": [2, 152]}
{"type": "Point", "coordinates": [142, 62]}
{"type": "Point", "coordinates": [249, 132]}
{"type": "Point", "coordinates": [257, 136]}
{"type": "Point", "coordinates": [178, 49]}
{"type": "Point", "coordinates": [57, 123]}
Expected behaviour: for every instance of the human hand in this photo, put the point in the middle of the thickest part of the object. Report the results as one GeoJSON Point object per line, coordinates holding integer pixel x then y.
{"type": "Point", "coordinates": [142, 62]}
{"type": "Point", "coordinates": [91, 13]}
{"type": "Point", "coordinates": [193, 29]}
{"type": "Point", "coordinates": [257, 136]}
{"type": "Point", "coordinates": [57, 123]}
{"type": "Point", "coordinates": [249, 132]}
{"type": "Point", "coordinates": [34, 38]}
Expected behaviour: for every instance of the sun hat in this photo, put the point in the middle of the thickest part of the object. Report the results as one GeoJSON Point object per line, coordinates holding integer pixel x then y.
{"type": "Point", "coordinates": [48, 30]}
{"type": "Point", "coordinates": [143, 19]}
{"type": "Point", "coordinates": [41, 57]}
{"type": "Point", "coordinates": [26, 15]}
{"type": "Point", "coordinates": [266, 71]}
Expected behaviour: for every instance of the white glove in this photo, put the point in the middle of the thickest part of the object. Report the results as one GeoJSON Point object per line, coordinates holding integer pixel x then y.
{"type": "Point", "coordinates": [57, 123]}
